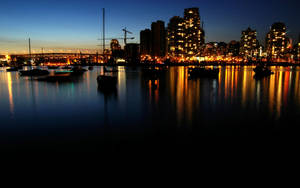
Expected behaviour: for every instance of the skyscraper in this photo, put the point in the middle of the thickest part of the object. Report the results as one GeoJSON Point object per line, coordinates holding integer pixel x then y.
{"type": "Point", "coordinates": [249, 44]}
{"type": "Point", "coordinates": [158, 36]}
{"type": "Point", "coordinates": [277, 41]}
{"type": "Point", "coordinates": [132, 53]}
{"type": "Point", "coordinates": [145, 42]}
{"type": "Point", "coordinates": [298, 50]}
{"type": "Point", "coordinates": [176, 37]}
{"type": "Point", "coordinates": [194, 33]}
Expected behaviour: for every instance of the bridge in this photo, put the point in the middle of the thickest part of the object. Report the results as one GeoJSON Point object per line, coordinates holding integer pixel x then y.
{"type": "Point", "coordinates": [59, 55]}
{"type": "Point", "coordinates": [48, 57]}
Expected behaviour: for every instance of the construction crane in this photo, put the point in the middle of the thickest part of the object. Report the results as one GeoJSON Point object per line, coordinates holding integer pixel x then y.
{"type": "Point", "coordinates": [128, 38]}
{"type": "Point", "coordinates": [125, 35]}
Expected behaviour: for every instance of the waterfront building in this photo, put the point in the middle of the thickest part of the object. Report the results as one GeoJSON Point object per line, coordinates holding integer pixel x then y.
{"type": "Point", "coordinates": [249, 44]}
{"type": "Point", "coordinates": [215, 49]}
{"type": "Point", "coordinates": [158, 36]}
{"type": "Point", "coordinates": [233, 48]}
{"type": "Point", "coordinates": [132, 51]}
{"type": "Point", "coordinates": [277, 42]}
{"type": "Point", "coordinates": [115, 45]}
{"type": "Point", "coordinates": [298, 50]}
{"type": "Point", "coordinates": [116, 50]}
{"type": "Point", "coordinates": [176, 37]}
{"type": "Point", "coordinates": [145, 42]}
{"type": "Point", "coordinates": [193, 32]}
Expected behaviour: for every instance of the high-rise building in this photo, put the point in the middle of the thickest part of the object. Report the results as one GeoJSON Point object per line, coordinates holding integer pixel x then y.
{"type": "Point", "coordinates": [176, 37]}
{"type": "Point", "coordinates": [298, 54]}
{"type": "Point", "coordinates": [132, 51]}
{"type": "Point", "coordinates": [158, 36]}
{"type": "Point", "coordinates": [194, 33]}
{"type": "Point", "coordinates": [249, 44]}
{"type": "Point", "coordinates": [145, 42]}
{"type": "Point", "coordinates": [114, 45]}
{"type": "Point", "coordinates": [277, 41]}
{"type": "Point", "coordinates": [297, 50]}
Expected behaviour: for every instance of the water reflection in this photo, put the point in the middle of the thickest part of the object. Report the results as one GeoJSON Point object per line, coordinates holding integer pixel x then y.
{"type": "Point", "coordinates": [10, 94]}
{"type": "Point", "coordinates": [234, 97]}
{"type": "Point", "coordinates": [235, 88]}
{"type": "Point", "coordinates": [122, 84]}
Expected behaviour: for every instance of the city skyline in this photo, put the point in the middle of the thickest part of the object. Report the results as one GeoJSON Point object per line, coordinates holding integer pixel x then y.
{"type": "Point", "coordinates": [77, 25]}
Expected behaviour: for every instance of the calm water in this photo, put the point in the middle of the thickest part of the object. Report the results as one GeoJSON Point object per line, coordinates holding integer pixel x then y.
{"type": "Point", "coordinates": [169, 110]}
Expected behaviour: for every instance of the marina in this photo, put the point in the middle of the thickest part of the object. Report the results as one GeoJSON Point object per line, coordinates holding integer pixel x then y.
{"type": "Point", "coordinates": [170, 106]}
{"type": "Point", "coordinates": [149, 77]}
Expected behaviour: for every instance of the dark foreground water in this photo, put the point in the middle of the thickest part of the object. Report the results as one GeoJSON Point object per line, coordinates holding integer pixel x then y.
{"type": "Point", "coordinates": [169, 111]}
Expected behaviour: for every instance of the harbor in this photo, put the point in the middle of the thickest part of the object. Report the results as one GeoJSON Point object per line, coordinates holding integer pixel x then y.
{"type": "Point", "coordinates": [141, 110]}
{"type": "Point", "coordinates": [126, 77]}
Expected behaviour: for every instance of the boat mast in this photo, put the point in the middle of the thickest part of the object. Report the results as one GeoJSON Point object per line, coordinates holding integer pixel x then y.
{"type": "Point", "coordinates": [103, 31]}
{"type": "Point", "coordinates": [29, 50]}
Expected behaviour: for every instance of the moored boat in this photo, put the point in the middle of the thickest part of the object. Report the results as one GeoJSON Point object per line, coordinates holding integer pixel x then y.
{"type": "Point", "coordinates": [53, 67]}
{"type": "Point", "coordinates": [203, 72]}
{"type": "Point", "coordinates": [107, 81]}
{"type": "Point", "coordinates": [66, 67]}
{"type": "Point", "coordinates": [12, 69]}
{"type": "Point", "coordinates": [262, 71]}
{"type": "Point", "coordinates": [154, 71]}
{"type": "Point", "coordinates": [78, 71]}
{"type": "Point", "coordinates": [114, 69]}
{"type": "Point", "coordinates": [34, 72]}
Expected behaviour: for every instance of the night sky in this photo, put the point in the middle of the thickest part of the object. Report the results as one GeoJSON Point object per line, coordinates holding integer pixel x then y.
{"type": "Point", "coordinates": [71, 24]}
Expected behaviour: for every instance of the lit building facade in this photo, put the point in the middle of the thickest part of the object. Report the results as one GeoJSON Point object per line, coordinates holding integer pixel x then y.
{"type": "Point", "coordinates": [194, 33]}
{"type": "Point", "coordinates": [249, 44]}
{"type": "Point", "coordinates": [115, 45]}
{"type": "Point", "coordinates": [298, 50]}
{"type": "Point", "coordinates": [145, 42]}
{"type": "Point", "coordinates": [277, 41]}
{"type": "Point", "coordinates": [215, 49]}
{"type": "Point", "coordinates": [158, 37]}
{"type": "Point", "coordinates": [176, 37]}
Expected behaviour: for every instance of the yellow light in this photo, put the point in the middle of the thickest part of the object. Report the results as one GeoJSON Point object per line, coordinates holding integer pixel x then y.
{"type": "Point", "coordinates": [7, 57]}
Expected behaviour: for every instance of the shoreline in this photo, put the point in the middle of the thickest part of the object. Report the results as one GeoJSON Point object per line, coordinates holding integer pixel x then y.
{"type": "Point", "coordinates": [199, 64]}
{"type": "Point", "coordinates": [180, 64]}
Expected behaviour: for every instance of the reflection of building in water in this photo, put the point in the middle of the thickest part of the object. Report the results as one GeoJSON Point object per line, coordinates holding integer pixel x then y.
{"type": "Point", "coordinates": [122, 87]}
{"type": "Point", "coordinates": [10, 94]}
{"type": "Point", "coordinates": [297, 86]}
{"type": "Point", "coordinates": [180, 93]}
{"type": "Point", "coordinates": [185, 94]}
{"type": "Point", "coordinates": [152, 86]}
{"type": "Point", "coordinates": [279, 95]}
{"type": "Point", "coordinates": [236, 84]}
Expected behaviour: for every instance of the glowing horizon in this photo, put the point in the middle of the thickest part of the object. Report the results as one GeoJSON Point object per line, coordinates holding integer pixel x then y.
{"type": "Point", "coordinates": [72, 25]}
